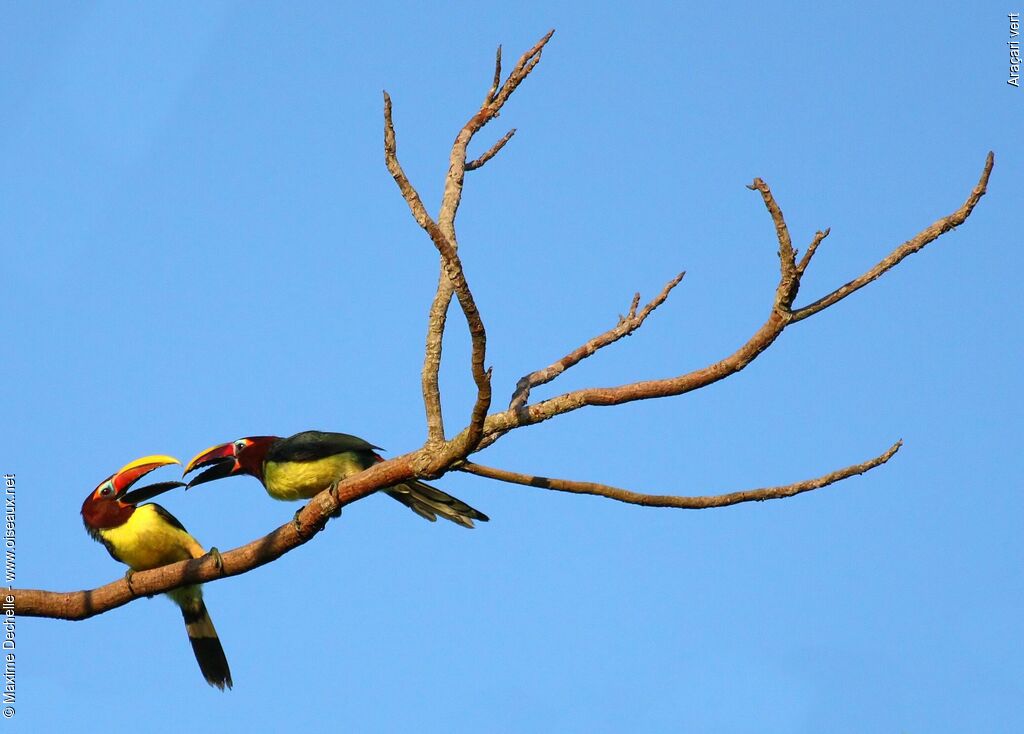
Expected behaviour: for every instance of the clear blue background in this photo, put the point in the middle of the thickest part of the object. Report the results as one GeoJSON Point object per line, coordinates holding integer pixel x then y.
{"type": "Point", "coordinates": [201, 242]}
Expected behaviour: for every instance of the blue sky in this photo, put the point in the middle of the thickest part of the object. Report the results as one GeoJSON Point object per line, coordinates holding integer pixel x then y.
{"type": "Point", "coordinates": [202, 243]}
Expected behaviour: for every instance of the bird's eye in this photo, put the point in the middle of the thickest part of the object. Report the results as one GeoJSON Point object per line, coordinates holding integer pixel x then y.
{"type": "Point", "coordinates": [239, 445]}
{"type": "Point", "coordinates": [107, 491]}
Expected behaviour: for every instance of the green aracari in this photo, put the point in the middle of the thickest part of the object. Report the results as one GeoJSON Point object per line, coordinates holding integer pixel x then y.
{"type": "Point", "coordinates": [300, 466]}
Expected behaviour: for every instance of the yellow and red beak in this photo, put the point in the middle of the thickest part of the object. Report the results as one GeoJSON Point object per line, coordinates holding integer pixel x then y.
{"type": "Point", "coordinates": [123, 479]}
{"type": "Point", "coordinates": [222, 461]}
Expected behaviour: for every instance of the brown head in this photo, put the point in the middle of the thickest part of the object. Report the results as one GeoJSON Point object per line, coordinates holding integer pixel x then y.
{"type": "Point", "coordinates": [111, 504]}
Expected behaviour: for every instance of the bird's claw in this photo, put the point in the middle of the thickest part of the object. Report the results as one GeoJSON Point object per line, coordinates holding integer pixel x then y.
{"type": "Point", "coordinates": [334, 493]}
{"type": "Point", "coordinates": [128, 579]}
{"type": "Point", "coordinates": [216, 556]}
{"type": "Point", "coordinates": [298, 523]}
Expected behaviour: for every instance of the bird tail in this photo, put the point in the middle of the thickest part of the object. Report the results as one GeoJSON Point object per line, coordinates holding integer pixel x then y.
{"type": "Point", "coordinates": [205, 643]}
{"type": "Point", "coordinates": [429, 502]}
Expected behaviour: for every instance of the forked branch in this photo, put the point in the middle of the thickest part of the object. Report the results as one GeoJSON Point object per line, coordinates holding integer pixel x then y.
{"type": "Point", "coordinates": [452, 279]}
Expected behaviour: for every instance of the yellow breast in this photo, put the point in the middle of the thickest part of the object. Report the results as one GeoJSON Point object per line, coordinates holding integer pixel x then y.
{"type": "Point", "coordinates": [294, 480]}
{"type": "Point", "coordinates": [148, 540]}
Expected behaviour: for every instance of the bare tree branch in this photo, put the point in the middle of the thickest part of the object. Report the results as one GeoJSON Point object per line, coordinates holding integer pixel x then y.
{"type": "Point", "coordinates": [778, 318]}
{"type": "Point", "coordinates": [789, 280]}
{"type": "Point", "coordinates": [409, 193]}
{"type": "Point", "coordinates": [436, 320]}
{"type": "Point", "coordinates": [685, 503]}
{"type": "Point", "coordinates": [450, 201]}
{"type": "Point", "coordinates": [446, 241]}
{"type": "Point", "coordinates": [522, 69]}
{"type": "Point", "coordinates": [917, 242]}
{"type": "Point", "coordinates": [452, 279]}
{"type": "Point", "coordinates": [626, 326]}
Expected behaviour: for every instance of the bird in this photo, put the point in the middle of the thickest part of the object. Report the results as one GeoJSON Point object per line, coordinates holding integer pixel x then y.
{"type": "Point", "coordinates": [148, 536]}
{"type": "Point", "coordinates": [300, 466]}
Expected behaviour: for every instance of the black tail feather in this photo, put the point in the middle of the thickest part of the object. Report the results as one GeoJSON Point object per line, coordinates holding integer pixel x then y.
{"type": "Point", "coordinates": [430, 502]}
{"type": "Point", "coordinates": [206, 646]}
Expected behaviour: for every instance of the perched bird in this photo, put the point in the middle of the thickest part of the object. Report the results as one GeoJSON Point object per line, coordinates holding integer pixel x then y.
{"type": "Point", "coordinates": [148, 536]}
{"type": "Point", "coordinates": [300, 466]}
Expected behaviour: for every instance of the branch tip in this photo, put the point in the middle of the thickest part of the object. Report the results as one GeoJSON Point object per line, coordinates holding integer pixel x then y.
{"type": "Point", "coordinates": [819, 236]}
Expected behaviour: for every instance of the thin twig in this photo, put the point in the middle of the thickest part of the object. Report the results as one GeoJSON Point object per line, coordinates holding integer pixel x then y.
{"type": "Point", "coordinates": [409, 193]}
{"type": "Point", "coordinates": [685, 503]}
{"type": "Point", "coordinates": [626, 326]}
{"type": "Point", "coordinates": [479, 162]}
{"type": "Point", "coordinates": [811, 249]}
{"type": "Point", "coordinates": [497, 77]}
